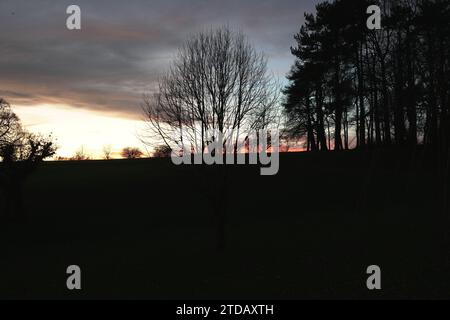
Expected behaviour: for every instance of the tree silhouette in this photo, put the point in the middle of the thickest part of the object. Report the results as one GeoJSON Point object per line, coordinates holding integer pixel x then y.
{"type": "Point", "coordinates": [376, 87]}
{"type": "Point", "coordinates": [107, 151]}
{"type": "Point", "coordinates": [21, 152]}
{"type": "Point", "coordinates": [162, 151]}
{"type": "Point", "coordinates": [131, 153]}
{"type": "Point", "coordinates": [80, 155]}
{"type": "Point", "coordinates": [218, 82]}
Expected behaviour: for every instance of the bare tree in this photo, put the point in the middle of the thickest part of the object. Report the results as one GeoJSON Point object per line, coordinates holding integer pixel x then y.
{"type": "Point", "coordinates": [10, 127]}
{"type": "Point", "coordinates": [80, 155]}
{"type": "Point", "coordinates": [162, 151]}
{"type": "Point", "coordinates": [107, 151]}
{"type": "Point", "coordinates": [21, 152]}
{"type": "Point", "coordinates": [217, 83]}
{"type": "Point", "coordinates": [131, 153]}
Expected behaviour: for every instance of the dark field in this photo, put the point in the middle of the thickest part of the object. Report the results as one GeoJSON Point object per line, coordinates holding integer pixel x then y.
{"type": "Point", "coordinates": [147, 229]}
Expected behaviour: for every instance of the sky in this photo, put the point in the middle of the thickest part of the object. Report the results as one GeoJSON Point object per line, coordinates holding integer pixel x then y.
{"type": "Point", "coordinates": [85, 86]}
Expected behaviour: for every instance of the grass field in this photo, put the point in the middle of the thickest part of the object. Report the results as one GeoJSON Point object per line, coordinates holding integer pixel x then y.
{"type": "Point", "coordinates": [146, 229]}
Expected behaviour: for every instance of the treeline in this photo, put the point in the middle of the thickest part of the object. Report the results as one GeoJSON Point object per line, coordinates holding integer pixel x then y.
{"type": "Point", "coordinates": [355, 87]}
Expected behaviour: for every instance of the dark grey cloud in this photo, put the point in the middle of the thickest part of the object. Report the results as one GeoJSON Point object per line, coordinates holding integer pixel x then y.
{"type": "Point", "coordinates": [124, 46]}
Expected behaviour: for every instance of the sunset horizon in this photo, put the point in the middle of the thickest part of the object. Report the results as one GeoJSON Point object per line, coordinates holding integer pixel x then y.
{"type": "Point", "coordinates": [103, 106]}
{"type": "Point", "coordinates": [224, 159]}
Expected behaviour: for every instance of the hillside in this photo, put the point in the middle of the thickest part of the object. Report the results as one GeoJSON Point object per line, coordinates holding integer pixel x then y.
{"type": "Point", "coordinates": [148, 229]}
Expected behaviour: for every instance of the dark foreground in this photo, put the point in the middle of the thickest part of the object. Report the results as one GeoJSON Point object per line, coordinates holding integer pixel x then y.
{"type": "Point", "coordinates": [148, 229]}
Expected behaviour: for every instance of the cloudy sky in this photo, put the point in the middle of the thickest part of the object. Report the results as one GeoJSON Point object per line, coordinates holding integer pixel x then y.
{"type": "Point", "coordinates": [86, 85]}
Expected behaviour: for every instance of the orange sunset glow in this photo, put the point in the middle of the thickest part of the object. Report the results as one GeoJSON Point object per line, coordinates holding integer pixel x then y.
{"type": "Point", "coordinates": [77, 128]}
{"type": "Point", "coordinates": [192, 153]}
{"type": "Point", "coordinates": [86, 86]}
